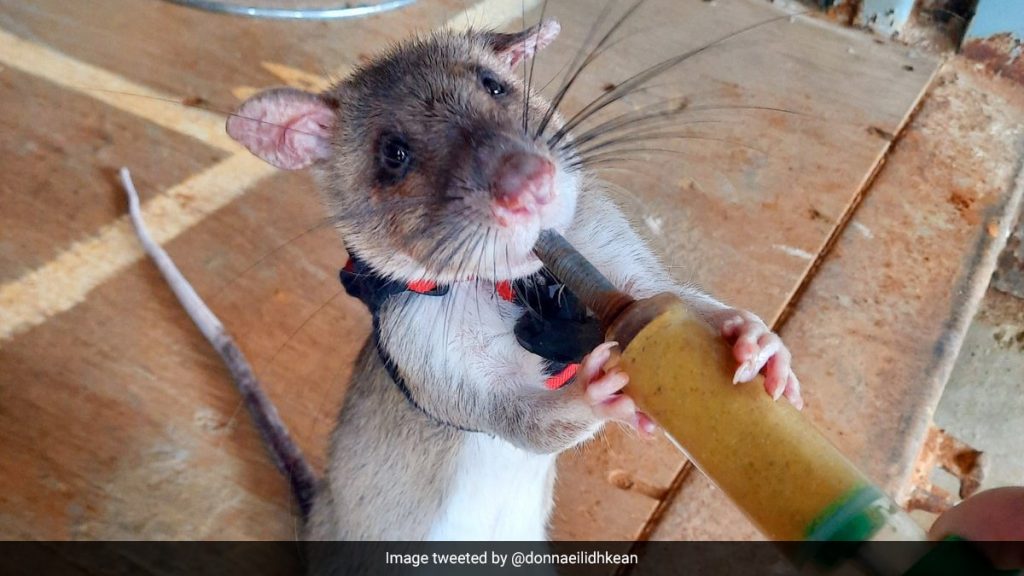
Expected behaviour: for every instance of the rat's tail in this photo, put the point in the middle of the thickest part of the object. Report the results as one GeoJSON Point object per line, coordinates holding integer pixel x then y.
{"type": "Point", "coordinates": [285, 452]}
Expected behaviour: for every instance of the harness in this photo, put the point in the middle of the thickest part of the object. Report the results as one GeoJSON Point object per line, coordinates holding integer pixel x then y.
{"type": "Point", "coordinates": [554, 324]}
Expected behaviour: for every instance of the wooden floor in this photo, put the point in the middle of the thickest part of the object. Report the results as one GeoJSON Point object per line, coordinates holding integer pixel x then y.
{"type": "Point", "coordinates": [862, 229]}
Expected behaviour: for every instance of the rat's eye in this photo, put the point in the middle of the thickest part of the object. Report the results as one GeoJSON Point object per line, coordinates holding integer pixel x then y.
{"type": "Point", "coordinates": [493, 86]}
{"type": "Point", "coordinates": [394, 158]}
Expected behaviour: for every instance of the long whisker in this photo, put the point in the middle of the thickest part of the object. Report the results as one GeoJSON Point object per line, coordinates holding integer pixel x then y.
{"type": "Point", "coordinates": [659, 135]}
{"type": "Point", "coordinates": [479, 268]}
{"type": "Point", "coordinates": [642, 117]}
{"type": "Point", "coordinates": [562, 69]}
{"type": "Point", "coordinates": [184, 102]}
{"type": "Point", "coordinates": [265, 256]}
{"type": "Point", "coordinates": [626, 131]}
{"type": "Point", "coordinates": [270, 363]}
{"type": "Point", "coordinates": [465, 261]}
{"type": "Point", "coordinates": [605, 156]}
{"type": "Point", "coordinates": [526, 84]}
{"type": "Point", "coordinates": [655, 111]}
{"type": "Point", "coordinates": [560, 95]}
{"type": "Point", "coordinates": [529, 80]}
{"type": "Point", "coordinates": [656, 70]}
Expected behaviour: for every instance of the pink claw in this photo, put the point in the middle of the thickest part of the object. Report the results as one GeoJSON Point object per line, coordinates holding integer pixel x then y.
{"type": "Point", "coordinates": [603, 390]}
{"type": "Point", "coordinates": [758, 350]}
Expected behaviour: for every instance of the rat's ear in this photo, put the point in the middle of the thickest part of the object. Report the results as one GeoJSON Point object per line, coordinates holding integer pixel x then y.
{"type": "Point", "coordinates": [523, 45]}
{"type": "Point", "coordinates": [286, 127]}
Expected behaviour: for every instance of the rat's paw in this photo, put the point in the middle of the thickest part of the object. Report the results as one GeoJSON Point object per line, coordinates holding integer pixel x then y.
{"type": "Point", "coordinates": [603, 384]}
{"type": "Point", "coordinates": [759, 350]}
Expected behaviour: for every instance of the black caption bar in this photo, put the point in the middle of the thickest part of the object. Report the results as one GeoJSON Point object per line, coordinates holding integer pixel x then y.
{"type": "Point", "coordinates": [464, 558]}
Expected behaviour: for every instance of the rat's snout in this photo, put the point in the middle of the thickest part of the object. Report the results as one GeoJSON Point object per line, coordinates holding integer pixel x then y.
{"type": "Point", "coordinates": [522, 182]}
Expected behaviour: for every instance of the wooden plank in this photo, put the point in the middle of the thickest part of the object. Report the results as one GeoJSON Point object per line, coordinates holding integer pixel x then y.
{"type": "Point", "coordinates": [743, 223]}
{"type": "Point", "coordinates": [77, 76]}
{"type": "Point", "coordinates": [880, 326]}
{"type": "Point", "coordinates": [116, 420]}
{"type": "Point", "coordinates": [60, 164]}
{"type": "Point", "coordinates": [205, 58]}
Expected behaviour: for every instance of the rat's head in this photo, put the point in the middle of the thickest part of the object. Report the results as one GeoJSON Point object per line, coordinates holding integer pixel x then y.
{"type": "Point", "coordinates": [427, 155]}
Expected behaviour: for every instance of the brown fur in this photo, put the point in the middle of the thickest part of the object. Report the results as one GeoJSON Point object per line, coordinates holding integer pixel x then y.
{"type": "Point", "coordinates": [428, 91]}
{"type": "Point", "coordinates": [388, 484]}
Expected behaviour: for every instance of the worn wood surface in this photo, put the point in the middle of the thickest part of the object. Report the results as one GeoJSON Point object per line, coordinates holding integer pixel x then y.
{"type": "Point", "coordinates": [881, 323]}
{"type": "Point", "coordinates": [69, 146]}
{"type": "Point", "coordinates": [115, 418]}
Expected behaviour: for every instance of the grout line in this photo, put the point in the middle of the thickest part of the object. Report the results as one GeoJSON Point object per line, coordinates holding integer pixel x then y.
{"type": "Point", "coordinates": [113, 90]}
{"type": "Point", "coordinates": [655, 517]}
{"type": "Point", "coordinates": [666, 501]}
{"type": "Point", "coordinates": [66, 280]}
{"type": "Point", "coordinates": [844, 220]}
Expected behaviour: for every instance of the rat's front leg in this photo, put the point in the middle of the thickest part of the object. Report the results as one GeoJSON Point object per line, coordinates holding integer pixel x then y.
{"type": "Point", "coordinates": [605, 238]}
{"type": "Point", "coordinates": [548, 421]}
{"type": "Point", "coordinates": [471, 372]}
{"type": "Point", "coordinates": [755, 347]}
{"type": "Point", "coordinates": [602, 387]}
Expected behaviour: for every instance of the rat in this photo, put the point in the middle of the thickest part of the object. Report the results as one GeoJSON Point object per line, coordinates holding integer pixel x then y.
{"type": "Point", "coordinates": [437, 167]}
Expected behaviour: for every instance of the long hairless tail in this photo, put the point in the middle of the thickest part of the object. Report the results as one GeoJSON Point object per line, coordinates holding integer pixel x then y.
{"type": "Point", "coordinates": [285, 452]}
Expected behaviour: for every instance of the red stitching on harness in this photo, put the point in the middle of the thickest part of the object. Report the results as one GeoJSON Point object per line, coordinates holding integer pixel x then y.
{"type": "Point", "coordinates": [562, 378]}
{"type": "Point", "coordinates": [504, 289]}
{"type": "Point", "coordinates": [505, 292]}
{"type": "Point", "coordinates": [422, 286]}
{"type": "Point", "coordinates": [426, 286]}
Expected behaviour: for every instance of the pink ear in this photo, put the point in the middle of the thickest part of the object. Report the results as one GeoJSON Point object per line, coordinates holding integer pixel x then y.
{"type": "Point", "coordinates": [524, 45]}
{"type": "Point", "coordinates": [286, 127]}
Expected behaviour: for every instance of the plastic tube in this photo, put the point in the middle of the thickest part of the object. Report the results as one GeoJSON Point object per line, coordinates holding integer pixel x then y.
{"type": "Point", "coordinates": [765, 456]}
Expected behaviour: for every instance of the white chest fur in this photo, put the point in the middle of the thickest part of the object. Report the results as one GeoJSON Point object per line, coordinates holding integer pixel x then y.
{"type": "Point", "coordinates": [499, 492]}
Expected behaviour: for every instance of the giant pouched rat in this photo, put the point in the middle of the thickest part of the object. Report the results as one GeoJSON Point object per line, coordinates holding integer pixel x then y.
{"type": "Point", "coordinates": [440, 168]}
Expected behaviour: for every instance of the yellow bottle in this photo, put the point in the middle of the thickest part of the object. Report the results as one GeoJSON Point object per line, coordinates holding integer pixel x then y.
{"type": "Point", "coordinates": [765, 456]}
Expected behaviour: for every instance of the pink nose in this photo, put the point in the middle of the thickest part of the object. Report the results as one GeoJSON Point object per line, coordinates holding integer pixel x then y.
{"type": "Point", "coordinates": [522, 182]}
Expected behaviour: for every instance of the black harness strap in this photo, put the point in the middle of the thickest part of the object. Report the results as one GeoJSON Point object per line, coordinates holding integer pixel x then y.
{"type": "Point", "coordinates": [554, 325]}
{"type": "Point", "coordinates": [362, 282]}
